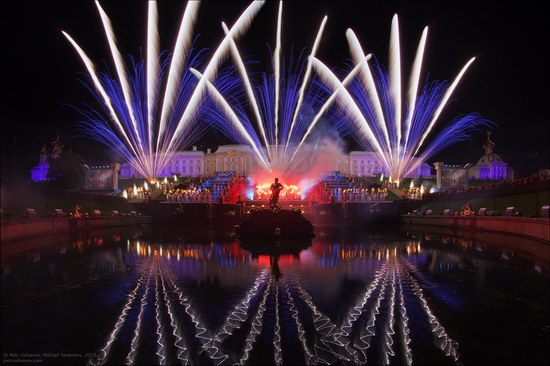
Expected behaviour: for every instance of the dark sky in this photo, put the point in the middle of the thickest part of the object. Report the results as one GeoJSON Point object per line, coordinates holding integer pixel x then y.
{"type": "Point", "coordinates": [507, 84]}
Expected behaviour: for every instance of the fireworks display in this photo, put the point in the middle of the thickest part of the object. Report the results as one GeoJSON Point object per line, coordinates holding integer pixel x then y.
{"type": "Point", "coordinates": [274, 115]}
{"type": "Point", "coordinates": [282, 106]}
{"type": "Point", "coordinates": [142, 121]}
{"type": "Point", "coordinates": [393, 122]}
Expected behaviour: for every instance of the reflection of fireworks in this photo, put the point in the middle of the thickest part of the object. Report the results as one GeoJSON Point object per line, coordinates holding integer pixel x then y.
{"type": "Point", "coordinates": [377, 316]}
{"type": "Point", "coordinates": [144, 125]}
{"type": "Point", "coordinates": [373, 101]}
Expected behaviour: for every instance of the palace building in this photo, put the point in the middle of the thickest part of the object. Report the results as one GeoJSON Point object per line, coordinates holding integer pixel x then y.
{"type": "Point", "coordinates": [489, 167]}
{"type": "Point", "coordinates": [241, 160]}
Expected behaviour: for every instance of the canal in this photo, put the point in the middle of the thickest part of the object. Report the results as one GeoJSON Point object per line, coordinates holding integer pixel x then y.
{"type": "Point", "coordinates": [148, 296]}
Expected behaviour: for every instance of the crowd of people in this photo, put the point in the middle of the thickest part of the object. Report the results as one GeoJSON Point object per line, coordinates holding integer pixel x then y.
{"type": "Point", "coordinates": [360, 194]}
{"type": "Point", "coordinates": [355, 194]}
{"type": "Point", "coordinates": [193, 194]}
{"type": "Point", "coordinates": [226, 187]}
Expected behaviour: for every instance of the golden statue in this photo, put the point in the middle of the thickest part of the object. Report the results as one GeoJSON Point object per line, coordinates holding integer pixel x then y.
{"type": "Point", "coordinates": [44, 154]}
{"type": "Point", "coordinates": [489, 144]}
{"type": "Point", "coordinates": [57, 147]}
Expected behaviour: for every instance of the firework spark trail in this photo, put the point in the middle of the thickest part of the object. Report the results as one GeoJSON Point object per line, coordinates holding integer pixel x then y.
{"type": "Point", "coordinates": [280, 104]}
{"type": "Point", "coordinates": [277, 71]}
{"type": "Point", "coordinates": [395, 81]}
{"type": "Point", "coordinates": [200, 330]}
{"type": "Point", "coordinates": [389, 326]}
{"type": "Point", "coordinates": [359, 308]}
{"type": "Point", "coordinates": [305, 81]}
{"type": "Point", "coordinates": [177, 64]}
{"type": "Point", "coordinates": [400, 120]}
{"type": "Point", "coordinates": [325, 328]}
{"type": "Point", "coordinates": [233, 322]}
{"type": "Point", "coordinates": [327, 104]}
{"type": "Point", "coordinates": [234, 119]}
{"type": "Point", "coordinates": [248, 86]}
{"type": "Point", "coordinates": [182, 352]}
{"type": "Point", "coordinates": [161, 353]}
{"type": "Point", "coordinates": [121, 70]}
{"type": "Point", "coordinates": [443, 103]}
{"type": "Point", "coordinates": [426, 283]}
{"type": "Point", "coordinates": [370, 329]}
{"type": "Point", "coordinates": [309, 357]}
{"type": "Point", "coordinates": [152, 68]}
{"type": "Point", "coordinates": [133, 107]}
{"type": "Point", "coordinates": [277, 336]}
{"type": "Point", "coordinates": [413, 88]}
{"type": "Point", "coordinates": [404, 320]}
{"type": "Point", "coordinates": [238, 315]}
{"type": "Point", "coordinates": [344, 96]}
{"type": "Point", "coordinates": [91, 71]}
{"type": "Point", "coordinates": [370, 86]}
{"type": "Point", "coordinates": [104, 352]}
{"type": "Point", "coordinates": [443, 341]}
{"type": "Point", "coordinates": [322, 323]}
{"type": "Point", "coordinates": [256, 327]}
{"type": "Point", "coordinates": [130, 359]}
{"type": "Point", "coordinates": [236, 31]}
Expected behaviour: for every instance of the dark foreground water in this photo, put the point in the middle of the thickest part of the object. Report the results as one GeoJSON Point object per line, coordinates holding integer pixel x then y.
{"type": "Point", "coordinates": [154, 297]}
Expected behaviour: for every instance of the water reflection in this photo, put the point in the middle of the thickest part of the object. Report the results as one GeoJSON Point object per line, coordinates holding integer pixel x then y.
{"type": "Point", "coordinates": [392, 299]}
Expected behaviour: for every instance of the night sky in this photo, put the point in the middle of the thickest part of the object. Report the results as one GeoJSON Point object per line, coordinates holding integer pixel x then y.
{"type": "Point", "coordinates": [507, 84]}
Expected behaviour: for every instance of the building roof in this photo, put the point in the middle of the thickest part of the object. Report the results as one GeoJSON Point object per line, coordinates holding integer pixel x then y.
{"type": "Point", "coordinates": [237, 147]}
{"type": "Point", "coordinates": [490, 159]}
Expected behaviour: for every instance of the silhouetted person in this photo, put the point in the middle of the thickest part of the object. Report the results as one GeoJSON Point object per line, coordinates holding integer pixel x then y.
{"type": "Point", "coordinates": [276, 189]}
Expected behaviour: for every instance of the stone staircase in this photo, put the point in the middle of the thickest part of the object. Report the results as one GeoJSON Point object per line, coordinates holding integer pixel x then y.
{"type": "Point", "coordinates": [220, 181]}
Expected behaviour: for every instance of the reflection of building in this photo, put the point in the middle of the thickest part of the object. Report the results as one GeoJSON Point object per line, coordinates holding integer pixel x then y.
{"type": "Point", "coordinates": [240, 159]}
{"type": "Point", "coordinates": [490, 166]}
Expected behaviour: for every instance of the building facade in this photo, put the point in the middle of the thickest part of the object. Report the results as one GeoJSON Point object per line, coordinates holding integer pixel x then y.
{"type": "Point", "coordinates": [40, 171]}
{"type": "Point", "coordinates": [489, 167]}
{"type": "Point", "coordinates": [369, 164]}
{"type": "Point", "coordinates": [241, 160]}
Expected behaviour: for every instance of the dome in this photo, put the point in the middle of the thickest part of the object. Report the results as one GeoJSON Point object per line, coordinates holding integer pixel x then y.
{"type": "Point", "coordinates": [489, 159]}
